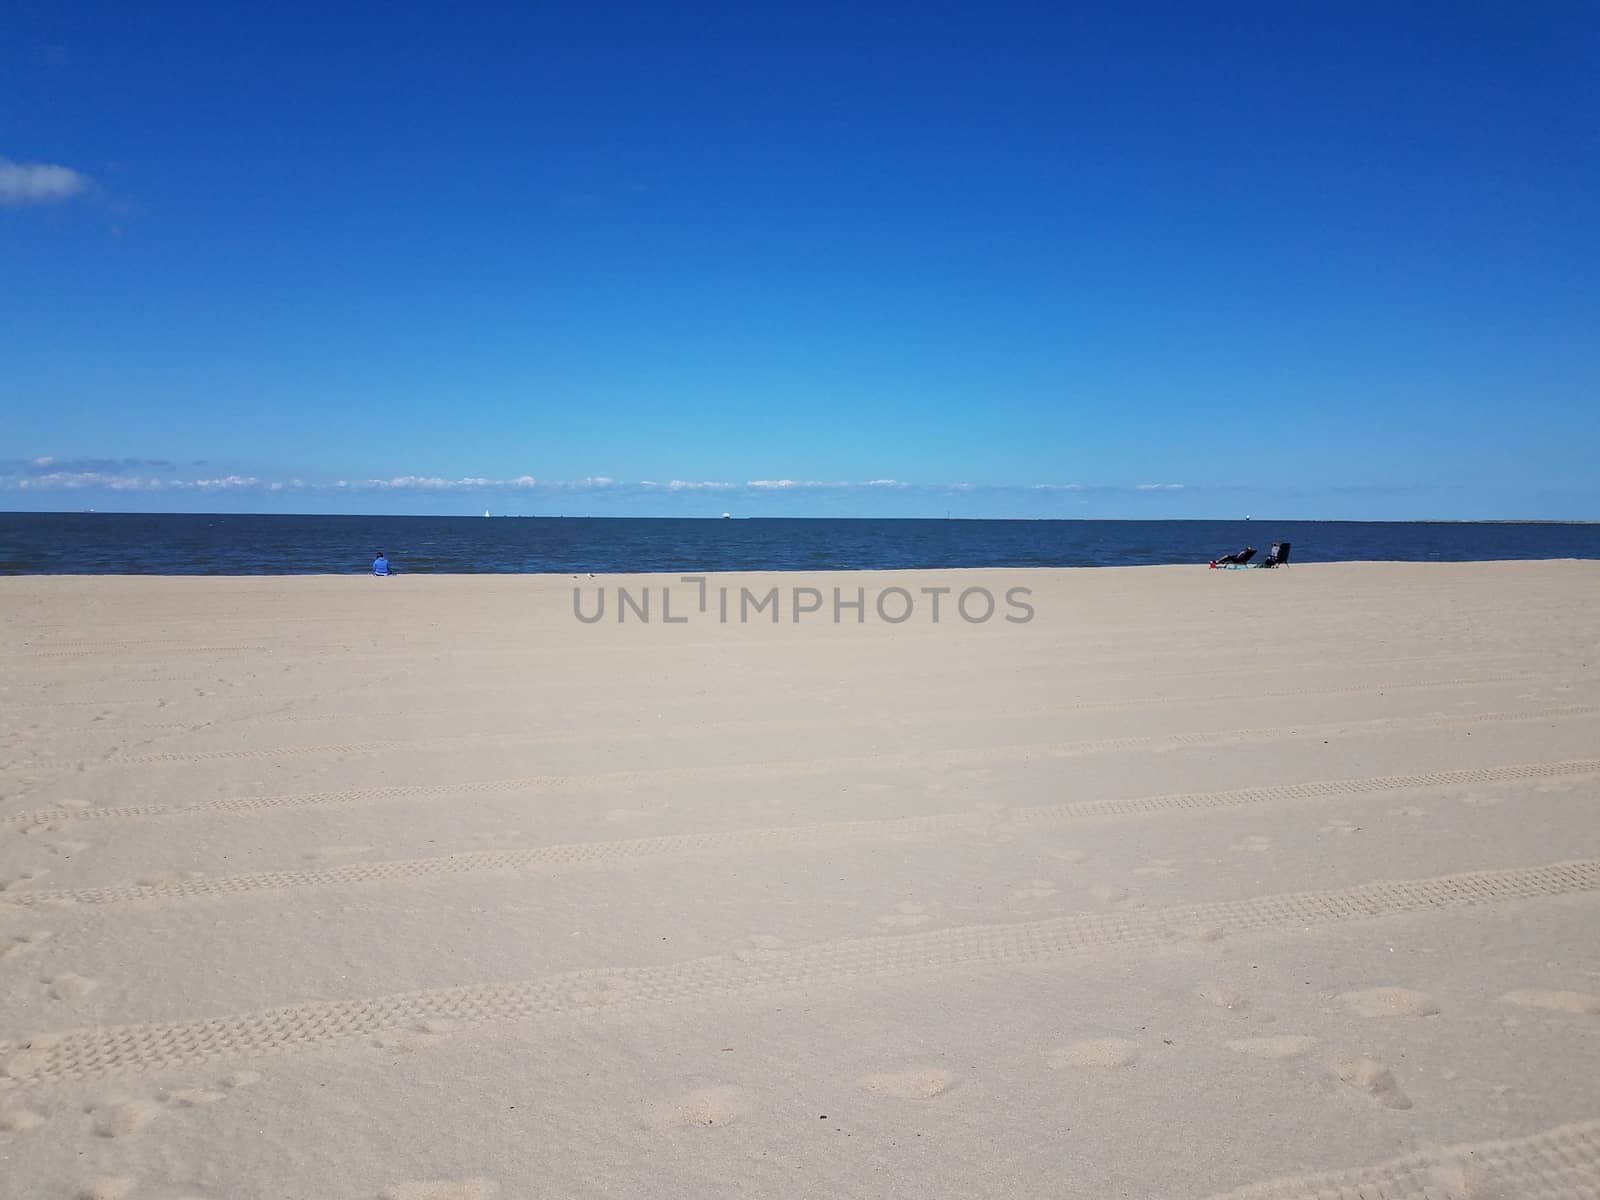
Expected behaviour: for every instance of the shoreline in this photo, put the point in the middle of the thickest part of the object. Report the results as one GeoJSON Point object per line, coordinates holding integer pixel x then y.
{"type": "Point", "coordinates": [821, 573]}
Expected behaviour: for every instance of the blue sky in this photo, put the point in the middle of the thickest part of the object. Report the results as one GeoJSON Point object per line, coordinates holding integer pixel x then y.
{"type": "Point", "coordinates": [995, 260]}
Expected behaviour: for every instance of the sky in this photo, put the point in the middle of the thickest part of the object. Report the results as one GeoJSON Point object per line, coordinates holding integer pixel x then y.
{"type": "Point", "coordinates": [1131, 260]}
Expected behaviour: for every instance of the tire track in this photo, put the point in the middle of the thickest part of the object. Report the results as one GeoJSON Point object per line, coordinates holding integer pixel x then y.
{"type": "Point", "coordinates": [478, 688]}
{"type": "Point", "coordinates": [165, 648]}
{"type": "Point", "coordinates": [603, 854]}
{"type": "Point", "coordinates": [1136, 702]}
{"type": "Point", "coordinates": [104, 1050]}
{"type": "Point", "coordinates": [347, 750]}
{"type": "Point", "coordinates": [1138, 669]}
{"type": "Point", "coordinates": [1557, 1164]}
{"type": "Point", "coordinates": [546, 783]}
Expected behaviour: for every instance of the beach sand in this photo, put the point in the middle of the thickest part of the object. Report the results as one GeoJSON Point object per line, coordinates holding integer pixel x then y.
{"type": "Point", "coordinates": [1277, 882]}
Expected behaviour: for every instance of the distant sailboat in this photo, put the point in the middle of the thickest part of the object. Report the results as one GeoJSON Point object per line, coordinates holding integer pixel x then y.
{"type": "Point", "coordinates": [486, 512]}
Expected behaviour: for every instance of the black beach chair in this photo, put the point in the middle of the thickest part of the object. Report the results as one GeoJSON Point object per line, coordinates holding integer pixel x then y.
{"type": "Point", "coordinates": [1278, 556]}
{"type": "Point", "coordinates": [1237, 559]}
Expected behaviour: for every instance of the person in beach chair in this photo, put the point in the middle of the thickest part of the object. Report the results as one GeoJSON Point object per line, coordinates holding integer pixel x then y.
{"type": "Point", "coordinates": [1237, 559]}
{"type": "Point", "coordinates": [1278, 556]}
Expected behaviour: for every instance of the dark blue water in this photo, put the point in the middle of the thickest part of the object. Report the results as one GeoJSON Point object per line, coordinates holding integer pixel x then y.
{"type": "Point", "coordinates": [199, 544]}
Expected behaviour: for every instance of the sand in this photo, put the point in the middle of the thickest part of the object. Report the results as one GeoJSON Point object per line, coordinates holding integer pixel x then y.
{"type": "Point", "coordinates": [1271, 884]}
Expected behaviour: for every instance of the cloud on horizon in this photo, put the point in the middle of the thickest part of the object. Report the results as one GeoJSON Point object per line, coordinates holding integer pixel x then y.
{"type": "Point", "coordinates": [39, 183]}
{"type": "Point", "coordinates": [157, 475]}
{"type": "Point", "coordinates": [47, 465]}
{"type": "Point", "coordinates": [434, 483]}
{"type": "Point", "coordinates": [115, 482]}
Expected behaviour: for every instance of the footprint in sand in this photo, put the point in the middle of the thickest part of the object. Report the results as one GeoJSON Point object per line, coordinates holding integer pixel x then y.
{"type": "Point", "coordinates": [1221, 995]}
{"type": "Point", "coordinates": [496, 838]}
{"type": "Point", "coordinates": [121, 1118]}
{"type": "Point", "coordinates": [1372, 1078]}
{"type": "Point", "coordinates": [1582, 1003]}
{"type": "Point", "coordinates": [26, 1061]}
{"type": "Point", "coordinates": [1284, 1046]}
{"type": "Point", "coordinates": [442, 1189]}
{"type": "Point", "coordinates": [1108, 894]}
{"type": "Point", "coordinates": [1341, 826]}
{"type": "Point", "coordinates": [1460, 1178]}
{"type": "Point", "coordinates": [22, 943]}
{"type": "Point", "coordinates": [906, 915]}
{"type": "Point", "coordinates": [19, 1120]}
{"type": "Point", "coordinates": [327, 853]}
{"type": "Point", "coordinates": [418, 1036]}
{"type": "Point", "coordinates": [1389, 1002]}
{"type": "Point", "coordinates": [1551, 787]}
{"type": "Point", "coordinates": [703, 1109]}
{"type": "Point", "coordinates": [69, 988]}
{"type": "Point", "coordinates": [16, 883]}
{"type": "Point", "coordinates": [757, 947]}
{"type": "Point", "coordinates": [909, 1085]}
{"type": "Point", "coordinates": [193, 1097]}
{"type": "Point", "coordinates": [67, 849]}
{"type": "Point", "coordinates": [1255, 843]}
{"type": "Point", "coordinates": [1158, 867]}
{"type": "Point", "coordinates": [241, 1079]}
{"type": "Point", "coordinates": [1034, 889]}
{"type": "Point", "coordinates": [1096, 1052]}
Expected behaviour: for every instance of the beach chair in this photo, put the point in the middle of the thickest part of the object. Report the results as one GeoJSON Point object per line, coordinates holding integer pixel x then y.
{"type": "Point", "coordinates": [1278, 556]}
{"type": "Point", "coordinates": [1237, 559]}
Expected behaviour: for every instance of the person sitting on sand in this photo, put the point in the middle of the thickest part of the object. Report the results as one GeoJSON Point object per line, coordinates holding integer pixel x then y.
{"type": "Point", "coordinates": [380, 565]}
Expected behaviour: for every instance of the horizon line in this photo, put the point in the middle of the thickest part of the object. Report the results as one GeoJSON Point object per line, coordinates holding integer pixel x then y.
{"type": "Point", "coordinates": [1253, 520]}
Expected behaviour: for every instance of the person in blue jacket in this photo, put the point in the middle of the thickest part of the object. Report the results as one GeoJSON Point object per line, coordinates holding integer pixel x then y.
{"type": "Point", "coordinates": [380, 565]}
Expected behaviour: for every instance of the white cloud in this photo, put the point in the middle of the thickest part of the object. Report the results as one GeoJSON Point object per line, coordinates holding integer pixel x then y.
{"type": "Point", "coordinates": [74, 480]}
{"type": "Point", "coordinates": [38, 183]}
{"type": "Point", "coordinates": [123, 475]}
{"type": "Point", "coordinates": [437, 483]}
{"type": "Point", "coordinates": [409, 482]}
{"type": "Point", "coordinates": [226, 483]}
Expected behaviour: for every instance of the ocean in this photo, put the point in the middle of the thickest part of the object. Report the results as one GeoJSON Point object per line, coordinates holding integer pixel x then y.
{"type": "Point", "coordinates": [202, 544]}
